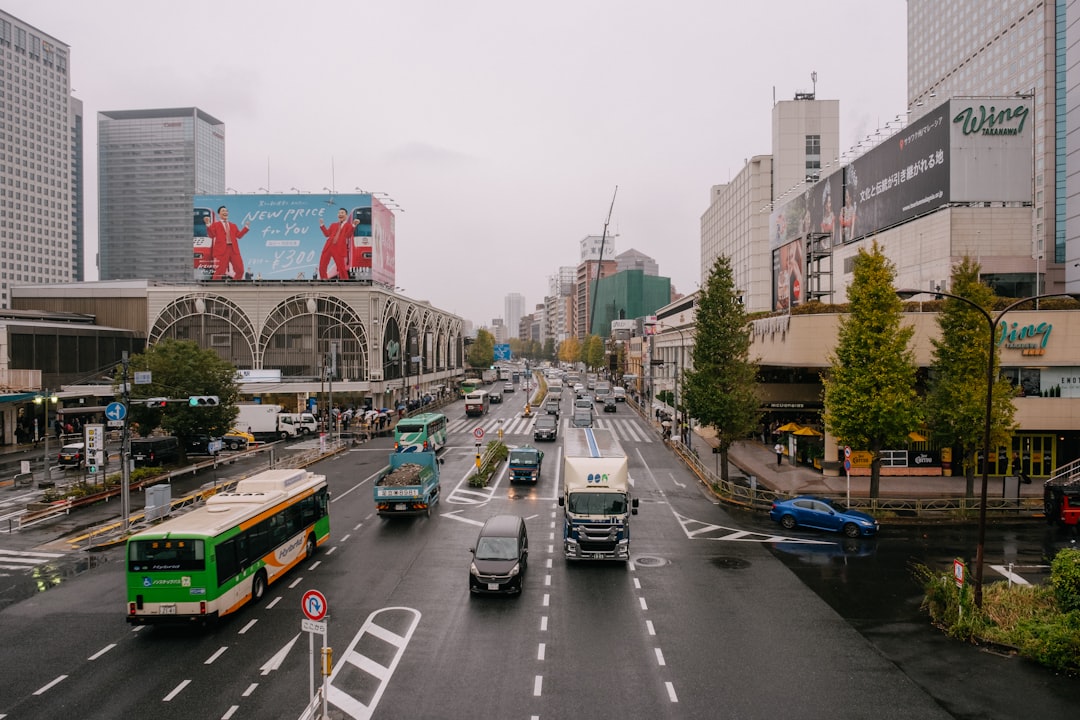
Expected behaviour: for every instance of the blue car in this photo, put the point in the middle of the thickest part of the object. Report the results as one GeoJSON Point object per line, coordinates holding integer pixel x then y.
{"type": "Point", "coordinates": [822, 514]}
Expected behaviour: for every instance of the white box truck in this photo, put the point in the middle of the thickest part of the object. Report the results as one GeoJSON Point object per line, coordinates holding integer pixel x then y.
{"type": "Point", "coordinates": [304, 422]}
{"type": "Point", "coordinates": [265, 422]}
{"type": "Point", "coordinates": [595, 496]}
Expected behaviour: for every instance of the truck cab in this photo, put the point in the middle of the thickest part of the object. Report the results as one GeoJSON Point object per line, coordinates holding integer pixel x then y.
{"type": "Point", "coordinates": [525, 464]}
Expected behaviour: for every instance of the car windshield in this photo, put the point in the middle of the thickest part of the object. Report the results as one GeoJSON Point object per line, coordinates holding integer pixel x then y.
{"type": "Point", "coordinates": [523, 457]}
{"type": "Point", "coordinates": [585, 503]}
{"type": "Point", "coordinates": [545, 422]}
{"type": "Point", "coordinates": [496, 548]}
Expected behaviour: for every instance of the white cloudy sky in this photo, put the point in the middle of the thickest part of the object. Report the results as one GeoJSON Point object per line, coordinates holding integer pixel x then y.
{"type": "Point", "coordinates": [502, 128]}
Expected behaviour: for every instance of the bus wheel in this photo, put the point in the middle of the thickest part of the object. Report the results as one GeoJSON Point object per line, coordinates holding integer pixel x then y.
{"type": "Point", "coordinates": [258, 586]}
{"type": "Point", "coordinates": [310, 550]}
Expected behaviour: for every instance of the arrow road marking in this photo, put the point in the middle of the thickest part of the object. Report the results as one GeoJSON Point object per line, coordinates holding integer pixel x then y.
{"type": "Point", "coordinates": [279, 657]}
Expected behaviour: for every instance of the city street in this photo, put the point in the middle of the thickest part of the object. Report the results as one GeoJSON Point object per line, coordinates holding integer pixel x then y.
{"type": "Point", "coordinates": [720, 613]}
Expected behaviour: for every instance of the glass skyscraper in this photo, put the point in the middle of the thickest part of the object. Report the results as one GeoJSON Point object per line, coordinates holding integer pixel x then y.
{"type": "Point", "coordinates": [151, 164]}
{"type": "Point", "coordinates": [40, 161]}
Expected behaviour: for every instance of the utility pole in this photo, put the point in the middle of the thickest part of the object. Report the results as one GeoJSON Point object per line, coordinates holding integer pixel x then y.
{"type": "Point", "coordinates": [125, 448]}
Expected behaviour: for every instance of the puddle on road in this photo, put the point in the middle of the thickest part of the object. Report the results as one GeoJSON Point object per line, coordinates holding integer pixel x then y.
{"type": "Point", "coordinates": [16, 586]}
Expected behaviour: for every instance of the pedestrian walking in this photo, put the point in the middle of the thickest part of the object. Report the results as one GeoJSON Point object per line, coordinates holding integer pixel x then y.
{"type": "Point", "coordinates": [779, 450]}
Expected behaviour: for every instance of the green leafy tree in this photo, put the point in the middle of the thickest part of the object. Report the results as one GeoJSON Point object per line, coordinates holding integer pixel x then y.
{"type": "Point", "coordinates": [956, 402]}
{"type": "Point", "coordinates": [482, 351]}
{"type": "Point", "coordinates": [870, 397]}
{"type": "Point", "coordinates": [592, 353]}
{"type": "Point", "coordinates": [180, 369]}
{"type": "Point", "coordinates": [721, 388]}
{"type": "Point", "coordinates": [549, 351]}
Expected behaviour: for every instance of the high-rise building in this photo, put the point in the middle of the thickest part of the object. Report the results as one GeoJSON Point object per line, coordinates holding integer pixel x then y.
{"type": "Point", "coordinates": [151, 164]}
{"type": "Point", "coordinates": [1002, 48]}
{"type": "Point", "coordinates": [597, 261]}
{"type": "Point", "coordinates": [40, 166]}
{"type": "Point", "coordinates": [513, 310]}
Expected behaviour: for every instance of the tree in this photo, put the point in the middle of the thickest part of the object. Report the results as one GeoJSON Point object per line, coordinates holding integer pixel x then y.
{"type": "Point", "coordinates": [956, 402]}
{"type": "Point", "coordinates": [482, 351]}
{"type": "Point", "coordinates": [721, 388]}
{"type": "Point", "coordinates": [570, 350]}
{"type": "Point", "coordinates": [548, 353]}
{"type": "Point", "coordinates": [870, 397]}
{"type": "Point", "coordinates": [180, 369]}
{"type": "Point", "coordinates": [592, 353]}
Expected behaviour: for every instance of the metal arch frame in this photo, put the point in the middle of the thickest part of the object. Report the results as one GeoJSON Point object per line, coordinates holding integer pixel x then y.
{"type": "Point", "coordinates": [347, 317]}
{"type": "Point", "coordinates": [175, 311]}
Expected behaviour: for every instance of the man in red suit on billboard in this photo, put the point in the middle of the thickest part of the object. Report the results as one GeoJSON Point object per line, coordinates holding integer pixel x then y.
{"type": "Point", "coordinates": [227, 245]}
{"type": "Point", "coordinates": [338, 243]}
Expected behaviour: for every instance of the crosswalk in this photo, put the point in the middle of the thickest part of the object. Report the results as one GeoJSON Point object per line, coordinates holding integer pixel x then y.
{"type": "Point", "coordinates": [24, 560]}
{"type": "Point", "coordinates": [628, 429]}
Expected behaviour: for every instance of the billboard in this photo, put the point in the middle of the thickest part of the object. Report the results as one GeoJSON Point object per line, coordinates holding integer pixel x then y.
{"type": "Point", "coordinates": [965, 150]}
{"type": "Point", "coordinates": [789, 286]}
{"type": "Point", "coordinates": [293, 237]}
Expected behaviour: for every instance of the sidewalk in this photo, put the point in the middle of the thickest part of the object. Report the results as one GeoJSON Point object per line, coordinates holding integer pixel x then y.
{"type": "Point", "coordinates": [750, 458]}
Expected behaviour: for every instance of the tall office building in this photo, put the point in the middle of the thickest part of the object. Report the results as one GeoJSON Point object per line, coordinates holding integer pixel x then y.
{"type": "Point", "coordinates": [513, 310]}
{"type": "Point", "coordinates": [1002, 47]}
{"type": "Point", "coordinates": [40, 135]}
{"type": "Point", "coordinates": [151, 164]}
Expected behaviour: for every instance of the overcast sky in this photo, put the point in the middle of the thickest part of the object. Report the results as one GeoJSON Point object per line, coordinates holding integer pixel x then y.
{"type": "Point", "coordinates": [502, 128]}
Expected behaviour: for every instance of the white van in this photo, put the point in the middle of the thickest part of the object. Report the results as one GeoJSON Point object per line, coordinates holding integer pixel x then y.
{"type": "Point", "coordinates": [304, 422]}
{"type": "Point", "coordinates": [619, 394]}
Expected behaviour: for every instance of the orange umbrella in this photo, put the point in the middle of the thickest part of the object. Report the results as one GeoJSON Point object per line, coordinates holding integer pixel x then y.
{"type": "Point", "coordinates": [807, 431]}
{"type": "Point", "coordinates": [916, 437]}
{"type": "Point", "coordinates": [790, 427]}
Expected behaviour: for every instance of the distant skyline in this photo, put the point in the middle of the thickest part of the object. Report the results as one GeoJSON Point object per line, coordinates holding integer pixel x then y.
{"type": "Point", "coordinates": [501, 130]}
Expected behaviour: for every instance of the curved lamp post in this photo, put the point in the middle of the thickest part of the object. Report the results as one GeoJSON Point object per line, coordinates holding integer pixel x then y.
{"type": "Point", "coordinates": [992, 323]}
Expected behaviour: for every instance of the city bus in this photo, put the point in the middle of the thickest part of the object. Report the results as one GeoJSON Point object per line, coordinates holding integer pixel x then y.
{"type": "Point", "coordinates": [420, 433]}
{"type": "Point", "coordinates": [477, 403]}
{"type": "Point", "coordinates": [209, 562]}
{"type": "Point", "coordinates": [470, 384]}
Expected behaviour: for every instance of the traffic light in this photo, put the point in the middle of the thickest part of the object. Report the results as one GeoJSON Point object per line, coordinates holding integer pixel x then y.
{"type": "Point", "coordinates": [203, 400]}
{"type": "Point", "coordinates": [155, 402]}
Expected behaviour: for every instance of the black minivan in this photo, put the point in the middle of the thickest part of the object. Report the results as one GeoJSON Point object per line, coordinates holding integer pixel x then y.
{"type": "Point", "coordinates": [155, 451]}
{"type": "Point", "coordinates": [500, 556]}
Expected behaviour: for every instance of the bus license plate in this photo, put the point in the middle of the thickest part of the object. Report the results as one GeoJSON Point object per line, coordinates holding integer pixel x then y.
{"type": "Point", "coordinates": [399, 506]}
{"type": "Point", "coordinates": [167, 610]}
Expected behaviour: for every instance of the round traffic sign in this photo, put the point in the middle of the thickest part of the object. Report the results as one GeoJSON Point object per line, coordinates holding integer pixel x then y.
{"type": "Point", "coordinates": [115, 411]}
{"type": "Point", "coordinates": [478, 433]}
{"type": "Point", "coordinates": [847, 451]}
{"type": "Point", "coordinates": [314, 605]}
{"type": "Point", "coordinates": [847, 465]}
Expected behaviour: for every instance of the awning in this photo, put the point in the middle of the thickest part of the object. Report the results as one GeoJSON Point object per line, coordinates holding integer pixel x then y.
{"type": "Point", "coordinates": [81, 409]}
{"type": "Point", "coordinates": [18, 397]}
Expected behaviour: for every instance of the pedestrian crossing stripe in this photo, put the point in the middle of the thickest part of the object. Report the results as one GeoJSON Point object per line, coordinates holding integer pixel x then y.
{"type": "Point", "coordinates": [24, 559]}
{"type": "Point", "coordinates": [628, 430]}
{"type": "Point", "coordinates": [698, 530]}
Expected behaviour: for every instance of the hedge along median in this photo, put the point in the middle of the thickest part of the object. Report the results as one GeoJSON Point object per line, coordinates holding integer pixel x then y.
{"type": "Point", "coordinates": [494, 453]}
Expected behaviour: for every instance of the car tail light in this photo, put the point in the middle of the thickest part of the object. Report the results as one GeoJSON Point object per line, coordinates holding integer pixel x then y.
{"type": "Point", "coordinates": [202, 607]}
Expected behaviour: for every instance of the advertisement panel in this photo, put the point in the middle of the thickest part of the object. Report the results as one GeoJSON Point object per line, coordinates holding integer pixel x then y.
{"type": "Point", "coordinates": [293, 237]}
{"type": "Point", "coordinates": [992, 149]}
{"type": "Point", "coordinates": [788, 272]}
{"type": "Point", "coordinates": [903, 177]}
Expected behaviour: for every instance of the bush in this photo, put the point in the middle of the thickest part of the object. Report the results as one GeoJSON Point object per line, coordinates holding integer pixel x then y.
{"type": "Point", "coordinates": [1065, 579]}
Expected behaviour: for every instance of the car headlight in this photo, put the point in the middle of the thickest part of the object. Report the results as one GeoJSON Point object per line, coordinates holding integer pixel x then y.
{"type": "Point", "coordinates": [473, 570]}
{"type": "Point", "coordinates": [515, 570]}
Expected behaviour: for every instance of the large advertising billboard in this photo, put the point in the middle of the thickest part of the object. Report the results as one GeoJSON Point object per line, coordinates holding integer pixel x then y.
{"type": "Point", "coordinates": [293, 237]}
{"type": "Point", "coordinates": [965, 150]}
{"type": "Point", "coordinates": [789, 286]}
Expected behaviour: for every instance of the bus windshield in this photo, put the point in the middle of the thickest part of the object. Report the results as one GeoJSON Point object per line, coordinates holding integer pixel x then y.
{"type": "Point", "coordinates": [166, 555]}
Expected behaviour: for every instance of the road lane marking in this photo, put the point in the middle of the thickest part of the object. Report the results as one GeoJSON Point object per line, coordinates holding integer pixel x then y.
{"type": "Point", "coordinates": [230, 712]}
{"type": "Point", "coordinates": [346, 537]}
{"type": "Point", "coordinates": [176, 691]}
{"type": "Point", "coordinates": [353, 660]}
{"type": "Point", "coordinates": [453, 515]}
{"type": "Point", "coordinates": [540, 652]}
{"type": "Point", "coordinates": [102, 651]}
{"type": "Point", "coordinates": [643, 605]}
{"type": "Point", "coordinates": [250, 689]}
{"type": "Point", "coordinates": [1009, 575]}
{"type": "Point", "coordinates": [247, 627]}
{"type": "Point", "coordinates": [538, 683]}
{"type": "Point", "coordinates": [296, 582]}
{"type": "Point", "coordinates": [671, 692]}
{"type": "Point", "coordinates": [660, 657]}
{"type": "Point", "coordinates": [649, 627]}
{"type": "Point", "coordinates": [215, 656]}
{"type": "Point", "coordinates": [543, 624]}
{"type": "Point", "coordinates": [274, 602]}
{"type": "Point", "coordinates": [279, 657]}
{"type": "Point", "coordinates": [45, 688]}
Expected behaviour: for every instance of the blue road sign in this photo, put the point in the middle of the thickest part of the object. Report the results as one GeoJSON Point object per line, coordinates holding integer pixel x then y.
{"type": "Point", "coordinates": [116, 411]}
{"type": "Point", "coordinates": [502, 351]}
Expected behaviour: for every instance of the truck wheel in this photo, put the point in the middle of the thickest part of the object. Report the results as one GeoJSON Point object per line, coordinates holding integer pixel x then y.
{"type": "Point", "coordinates": [282, 435]}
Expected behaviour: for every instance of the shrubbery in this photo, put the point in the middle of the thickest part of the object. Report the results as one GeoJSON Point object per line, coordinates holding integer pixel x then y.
{"type": "Point", "coordinates": [1039, 622]}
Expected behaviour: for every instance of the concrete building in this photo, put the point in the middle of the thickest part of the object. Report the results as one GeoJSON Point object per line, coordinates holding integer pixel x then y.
{"type": "Point", "coordinates": [288, 338]}
{"type": "Point", "coordinates": [1003, 48]}
{"type": "Point", "coordinates": [636, 260]}
{"type": "Point", "coordinates": [40, 161]}
{"type": "Point", "coordinates": [151, 164]}
{"type": "Point", "coordinates": [628, 295]}
{"type": "Point", "coordinates": [737, 222]}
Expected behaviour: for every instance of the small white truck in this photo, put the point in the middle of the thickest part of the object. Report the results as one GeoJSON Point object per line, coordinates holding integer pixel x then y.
{"type": "Point", "coordinates": [265, 422]}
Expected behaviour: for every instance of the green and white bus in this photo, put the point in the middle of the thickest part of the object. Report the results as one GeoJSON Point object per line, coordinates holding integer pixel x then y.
{"type": "Point", "coordinates": [209, 562]}
{"type": "Point", "coordinates": [420, 433]}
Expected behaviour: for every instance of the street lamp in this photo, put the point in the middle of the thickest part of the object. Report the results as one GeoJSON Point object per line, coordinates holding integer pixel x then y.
{"type": "Point", "coordinates": [44, 400]}
{"type": "Point", "coordinates": [992, 323]}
